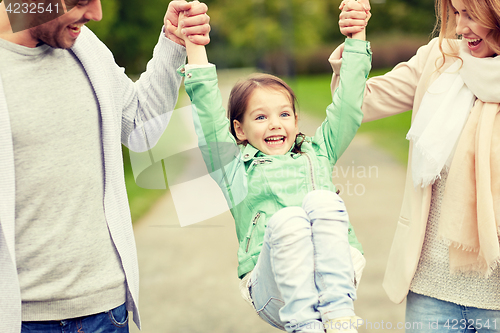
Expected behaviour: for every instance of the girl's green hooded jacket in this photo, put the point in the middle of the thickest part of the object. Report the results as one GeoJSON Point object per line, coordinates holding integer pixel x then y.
{"type": "Point", "coordinates": [256, 185]}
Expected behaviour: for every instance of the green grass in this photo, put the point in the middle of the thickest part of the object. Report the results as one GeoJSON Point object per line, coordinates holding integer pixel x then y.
{"type": "Point", "coordinates": [313, 93]}
{"type": "Point", "coordinates": [140, 199]}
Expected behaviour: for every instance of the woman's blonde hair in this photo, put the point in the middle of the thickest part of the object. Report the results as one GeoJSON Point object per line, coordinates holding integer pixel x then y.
{"type": "Point", "coordinates": [484, 12]}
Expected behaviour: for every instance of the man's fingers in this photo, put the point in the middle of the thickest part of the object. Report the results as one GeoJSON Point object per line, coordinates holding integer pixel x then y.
{"type": "Point", "coordinates": [193, 21]}
{"type": "Point", "coordinates": [351, 30]}
{"type": "Point", "coordinates": [197, 8]}
{"type": "Point", "coordinates": [352, 23]}
{"type": "Point", "coordinates": [174, 8]}
{"type": "Point", "coordinates": [353, 15]}
{"type": "Point", "coordinates": [196, 30]}
{"type": "Point", "coordinates": [171, 31]}
{"type": "Point", "coordinates": [366, 4]}
{"type": "Point", "coordinates": [199, 39]}
{"type": "Point", "coordinates": [353, 5]}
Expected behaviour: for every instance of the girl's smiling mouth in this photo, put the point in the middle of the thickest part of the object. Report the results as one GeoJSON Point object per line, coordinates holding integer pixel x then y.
{"type": "Point", "coordinates": [275, 140]}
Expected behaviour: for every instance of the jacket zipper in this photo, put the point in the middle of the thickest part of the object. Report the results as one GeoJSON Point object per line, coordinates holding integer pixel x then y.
{"type": "Point", "coordinates": [263, 161]}
{"type": "Point", "coordinates": [311, 170]}
{"type": "Point", "coordinates": [254, 224]}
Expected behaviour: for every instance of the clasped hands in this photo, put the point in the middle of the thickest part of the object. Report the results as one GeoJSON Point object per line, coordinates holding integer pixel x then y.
{"type": "Point", "coordinates": [354, 16]}
{"type": "Point", "coordinates": [194, 24]}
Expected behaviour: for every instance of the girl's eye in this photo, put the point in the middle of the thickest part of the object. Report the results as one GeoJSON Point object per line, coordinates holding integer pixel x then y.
{"type": "Point", "coordinates": [285, 114]}
{"type": "Point", "coordinates": [260, 118]}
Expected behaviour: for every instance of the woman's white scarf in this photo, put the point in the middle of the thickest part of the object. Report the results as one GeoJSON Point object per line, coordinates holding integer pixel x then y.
{"type": "Point", "coordinates": [444, 110]}
{"type": "Point", "coordinates": [470, 210]}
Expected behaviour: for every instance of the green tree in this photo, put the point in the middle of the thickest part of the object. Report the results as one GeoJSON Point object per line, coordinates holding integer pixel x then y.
{"type": "Point", "coordinates": [131, 29]}
{"type": "Point", "coordinates": [263, 33]}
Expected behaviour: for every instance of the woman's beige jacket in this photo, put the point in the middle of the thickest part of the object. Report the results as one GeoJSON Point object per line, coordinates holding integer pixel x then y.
{"type": "Point", "coordinates": [400, 90]}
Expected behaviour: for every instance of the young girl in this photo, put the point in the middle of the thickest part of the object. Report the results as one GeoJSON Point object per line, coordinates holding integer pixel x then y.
{"type": "Point", "coordinates": [295, 239]}
{"type": "Point", "coordinates": [446, 253]}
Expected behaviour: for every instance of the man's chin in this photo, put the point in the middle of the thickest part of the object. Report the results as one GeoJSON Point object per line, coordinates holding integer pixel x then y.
{"type": "Point", "coordinates": [59, 43]}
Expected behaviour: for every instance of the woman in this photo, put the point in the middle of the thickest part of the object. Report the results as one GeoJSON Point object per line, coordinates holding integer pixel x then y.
{"type": "Point", "coordinates": [445, 254]}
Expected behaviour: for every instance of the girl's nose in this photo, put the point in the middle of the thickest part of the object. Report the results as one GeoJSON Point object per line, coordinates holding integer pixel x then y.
{"type": "Point", "coordinates": [274, 124]}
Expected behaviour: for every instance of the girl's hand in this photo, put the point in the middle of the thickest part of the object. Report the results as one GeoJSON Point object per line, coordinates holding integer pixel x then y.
{"type": "Point", "coordinates": [354, 16]}
{"type": "Point", "coordinates": [177, 31]}
{"type": "Point", "coordinates": [194, 24]}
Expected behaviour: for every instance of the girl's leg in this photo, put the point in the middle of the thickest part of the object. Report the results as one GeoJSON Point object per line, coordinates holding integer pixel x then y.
{"type": "Point", "coordinates": [333, 264]}
{"type": "Point", "coordinates": [282, 283]}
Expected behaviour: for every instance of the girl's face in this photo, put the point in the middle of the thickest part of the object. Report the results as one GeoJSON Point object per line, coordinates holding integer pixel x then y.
{"type": "Point", "coordinates": [471, 31]}
{"type": "Point", "coordinates": [269, 123]}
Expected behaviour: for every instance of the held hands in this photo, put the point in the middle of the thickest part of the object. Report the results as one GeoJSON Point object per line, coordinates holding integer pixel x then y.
{"type": "Point", "coordinates": [354, 18]}
{"type": "Point", "coordinates": [194, 26]}
{"type": "Point", "coordinates": [196, 52]}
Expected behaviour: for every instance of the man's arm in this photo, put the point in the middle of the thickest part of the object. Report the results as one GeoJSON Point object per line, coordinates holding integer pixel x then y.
{"type": "Point", "coordinates": [150, 101]}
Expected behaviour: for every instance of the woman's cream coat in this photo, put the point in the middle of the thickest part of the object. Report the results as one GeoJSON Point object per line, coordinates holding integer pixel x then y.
{"type": "Point", "coordinates": [400, 90]}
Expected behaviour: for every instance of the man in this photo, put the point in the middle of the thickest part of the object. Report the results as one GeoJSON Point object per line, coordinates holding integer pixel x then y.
{"type": "Point", "coordinates": [68, 261]}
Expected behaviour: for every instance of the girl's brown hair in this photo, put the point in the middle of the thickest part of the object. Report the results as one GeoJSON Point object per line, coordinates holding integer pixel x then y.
{"type": "Point", "coordinates": [484, 12]}
{"type": "Point", "coordinates": [242, 91]}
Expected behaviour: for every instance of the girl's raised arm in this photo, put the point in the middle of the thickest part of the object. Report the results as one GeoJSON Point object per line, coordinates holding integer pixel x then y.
{"type": "Point", "coordinates": [197, 54]}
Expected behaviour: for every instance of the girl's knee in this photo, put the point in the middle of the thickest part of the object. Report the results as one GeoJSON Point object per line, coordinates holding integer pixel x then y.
{"type": "Point", "coordinates": [288, 216]}
{"type": "Point", "coordinates": [323, 201]}
{"type": "Point", "coordinates": [288, 220]}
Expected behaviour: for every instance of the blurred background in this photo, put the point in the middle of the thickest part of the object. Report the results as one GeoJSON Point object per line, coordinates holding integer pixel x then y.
{"type": "Point", "coordinates": [292, 39]}
{"type": "Point", "coordinates": [182, 291]}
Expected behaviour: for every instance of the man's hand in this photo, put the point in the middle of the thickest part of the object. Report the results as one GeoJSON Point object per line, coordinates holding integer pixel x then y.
{"type": "Point", "coordinates": [194, 25]}
{"type": "Point", "coordinates": [354, 16]}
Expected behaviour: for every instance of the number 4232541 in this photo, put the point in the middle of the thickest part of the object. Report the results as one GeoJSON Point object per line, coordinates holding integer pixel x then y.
{"type": "Point", "coordinates": [32, 8]}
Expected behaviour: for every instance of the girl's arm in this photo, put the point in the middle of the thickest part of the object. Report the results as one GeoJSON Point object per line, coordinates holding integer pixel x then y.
{"type": "Point", "coordinates": [388, 94]}
{"type": "Point", "coordinates": [218, 147]}
{"type": "Point", "coordinates": [343, 116]}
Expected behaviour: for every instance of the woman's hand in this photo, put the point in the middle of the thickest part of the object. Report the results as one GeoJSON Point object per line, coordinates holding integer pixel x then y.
{"type": "Point", "coordinates": [354, 17]}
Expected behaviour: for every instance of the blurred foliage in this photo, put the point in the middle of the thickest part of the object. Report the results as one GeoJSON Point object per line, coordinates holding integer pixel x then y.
{"type": "Point", "coordinates": [270, 34]}
{"type": "Point", "coordinates": [131, 29]}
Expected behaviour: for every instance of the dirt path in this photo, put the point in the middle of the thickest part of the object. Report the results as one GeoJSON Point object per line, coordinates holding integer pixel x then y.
{"type": "Point", "coordinates": [188, 275]}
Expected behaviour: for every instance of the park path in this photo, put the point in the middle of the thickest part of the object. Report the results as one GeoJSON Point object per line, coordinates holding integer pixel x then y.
{"type": "Point", "coordinates": [188, 280]}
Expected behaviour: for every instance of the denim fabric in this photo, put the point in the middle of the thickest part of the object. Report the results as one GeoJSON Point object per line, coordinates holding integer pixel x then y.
{"type": "Point", "coordinates": [113, 321]}
{"type": "Point", "coordinates": [304, 275]}
{"type": "Point", "coordinates": [428, 314]}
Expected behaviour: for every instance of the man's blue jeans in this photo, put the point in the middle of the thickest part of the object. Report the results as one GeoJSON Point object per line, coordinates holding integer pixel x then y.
{"type": "Point", "coordinates": [304, 275]}
{"type": "Point", "coordinates": [428, 314]}
{"type": "Point", "coordinates": [113, 321]}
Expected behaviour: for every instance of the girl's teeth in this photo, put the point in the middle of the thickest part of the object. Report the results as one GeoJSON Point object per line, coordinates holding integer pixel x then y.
{"type": "Point", "coordinates": [274, 140]}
